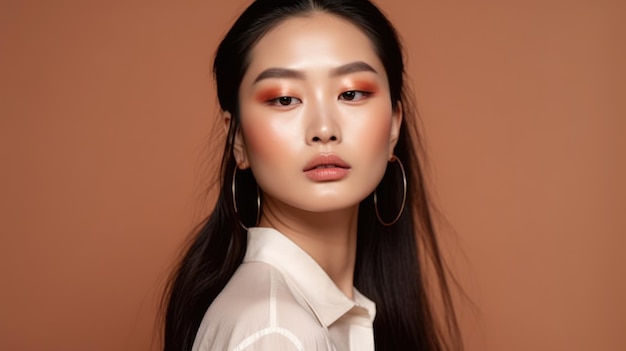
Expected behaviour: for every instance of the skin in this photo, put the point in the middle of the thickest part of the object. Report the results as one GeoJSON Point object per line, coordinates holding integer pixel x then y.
{"type": "Point", "coordinates": [289, 119]}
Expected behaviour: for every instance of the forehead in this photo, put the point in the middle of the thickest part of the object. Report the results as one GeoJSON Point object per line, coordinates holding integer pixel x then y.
{"type": "Point", "coordinates": [315, 41]}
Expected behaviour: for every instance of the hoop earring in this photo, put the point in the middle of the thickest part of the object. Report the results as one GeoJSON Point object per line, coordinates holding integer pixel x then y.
{"type": "Point", "coordinates": [258, 201]}
{"type": "Point", "coordinates": [387, 224]}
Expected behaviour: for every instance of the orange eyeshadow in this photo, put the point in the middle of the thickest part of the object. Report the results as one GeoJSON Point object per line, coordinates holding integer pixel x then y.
{"type": "Point", "coordinates": [363, 86]}
{"type": "Point", "coordinates": [269, 94]}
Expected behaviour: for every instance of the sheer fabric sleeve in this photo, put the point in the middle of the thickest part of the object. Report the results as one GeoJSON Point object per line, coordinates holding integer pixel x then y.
{"type": "Point", "coordinates": [268, 339]}
{"type": "Point", "coordinates": [257, 312]}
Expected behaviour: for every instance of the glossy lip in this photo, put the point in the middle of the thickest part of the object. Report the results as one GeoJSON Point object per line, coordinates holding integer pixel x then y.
{"type": "Point", "coordinates": [326, 167]}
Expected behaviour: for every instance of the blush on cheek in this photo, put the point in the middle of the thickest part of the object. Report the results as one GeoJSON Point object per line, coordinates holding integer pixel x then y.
{"type": "Point", "coordinates": [376, 135]}
{"type": "Point", "coordinates": [378, 128]}
{"type": "Point", "coordinates": [380, 141]}
{"type": "Point", "coordinates": [255, 137]}
{"type": "Point", "coordinates": [263, 140]}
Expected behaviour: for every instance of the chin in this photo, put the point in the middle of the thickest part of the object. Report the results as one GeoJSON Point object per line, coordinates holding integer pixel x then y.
{"type": "Point", "coordinates": [320, 198]}
{"type": "Point", "coordinates": [322, 204]}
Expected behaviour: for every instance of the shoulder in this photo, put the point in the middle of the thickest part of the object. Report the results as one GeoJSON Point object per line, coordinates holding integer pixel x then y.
{"type": "Point", "coordinates": [258, 310]}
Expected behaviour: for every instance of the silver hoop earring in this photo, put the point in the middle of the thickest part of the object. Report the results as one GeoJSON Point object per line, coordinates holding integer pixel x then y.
{"type": "Point", "coordinates": [258, 201]}
{"type": "Point", "coordinates": [387, 224]}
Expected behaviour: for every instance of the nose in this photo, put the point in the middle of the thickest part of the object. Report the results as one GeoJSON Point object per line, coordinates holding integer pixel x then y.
{"type": "Point", "coordinates": [323, 126]}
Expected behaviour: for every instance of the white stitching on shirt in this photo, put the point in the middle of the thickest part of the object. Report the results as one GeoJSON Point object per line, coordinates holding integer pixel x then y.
{"type": "Point", "coordinates": [273, 288]}
{"type": "Point", "coordinates": [273, 328]}
{"type": "Point", "coordinates": [247, 342]}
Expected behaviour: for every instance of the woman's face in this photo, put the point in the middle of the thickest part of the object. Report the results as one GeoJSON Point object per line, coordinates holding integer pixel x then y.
{"type": "Point", "coordinates": [317, 126]}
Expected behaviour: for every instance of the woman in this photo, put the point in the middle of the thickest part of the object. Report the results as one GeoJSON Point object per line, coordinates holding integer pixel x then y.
{"type": "Point", "coordinates": [321, 232]}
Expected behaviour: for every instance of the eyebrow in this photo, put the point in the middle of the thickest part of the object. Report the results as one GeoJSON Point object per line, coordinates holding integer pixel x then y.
{"type": "Point", "coordinates": [279, 73]}
{"type": "Point", "coordinates": [352, 67]}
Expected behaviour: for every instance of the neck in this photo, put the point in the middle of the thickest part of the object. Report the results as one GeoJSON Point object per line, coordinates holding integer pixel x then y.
{"type": "Point", "coordinates": [329, 238]}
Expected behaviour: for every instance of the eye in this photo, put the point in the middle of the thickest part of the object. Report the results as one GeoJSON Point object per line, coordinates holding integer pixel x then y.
{"type": "Point", "coordinates": [354, 95]}
{"type": "Point", "coordinates": [284, 101]}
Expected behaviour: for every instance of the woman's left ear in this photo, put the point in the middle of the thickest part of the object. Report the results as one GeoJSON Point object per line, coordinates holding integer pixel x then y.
{"type": "Point", "coordinates": [396, 123]}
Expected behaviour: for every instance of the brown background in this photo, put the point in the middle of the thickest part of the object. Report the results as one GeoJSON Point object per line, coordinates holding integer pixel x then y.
{"type": "Point", "coordinates": [106, 113]}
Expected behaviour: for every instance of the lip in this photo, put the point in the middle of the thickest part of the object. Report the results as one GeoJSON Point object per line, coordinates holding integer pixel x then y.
{"type": "Point", "coordinates": [326, 167]}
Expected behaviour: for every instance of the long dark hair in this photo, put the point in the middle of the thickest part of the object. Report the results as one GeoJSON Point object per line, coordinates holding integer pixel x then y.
{"type": "Point", "coordinates": [392, 262]}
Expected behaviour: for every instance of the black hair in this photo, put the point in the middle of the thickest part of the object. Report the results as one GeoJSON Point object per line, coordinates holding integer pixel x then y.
{"type": "Point", "coordinates": [393, 263]}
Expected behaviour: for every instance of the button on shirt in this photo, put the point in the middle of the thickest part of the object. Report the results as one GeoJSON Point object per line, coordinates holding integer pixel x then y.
{"type": "Point", "coordinates": [281, 299]}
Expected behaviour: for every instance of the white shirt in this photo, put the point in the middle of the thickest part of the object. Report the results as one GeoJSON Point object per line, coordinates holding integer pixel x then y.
{"type": "Point", "coordinates": [281, 299]}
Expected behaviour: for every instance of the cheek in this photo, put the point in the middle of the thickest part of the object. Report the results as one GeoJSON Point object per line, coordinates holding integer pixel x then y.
{"type": "Point", "coordinates": [372, 130]}
{"type": "Point", "coordinates": [259, 138]}
{"type": "Point", "coordinates": [267, 138]}
{"type": "Point", "coordinates": [378, 133]}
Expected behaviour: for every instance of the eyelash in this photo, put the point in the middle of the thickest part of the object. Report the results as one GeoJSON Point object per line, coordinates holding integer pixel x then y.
{"type": "Point", "coordinates": [289, 99]}
{"type": "Point", "coordinates": [277, 101]}
{"type": "Point", "coordinates": [364, 94]}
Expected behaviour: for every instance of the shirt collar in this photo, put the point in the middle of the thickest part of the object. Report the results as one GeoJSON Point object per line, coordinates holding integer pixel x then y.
{"type": "Point", "coordinates": [323, 296]}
